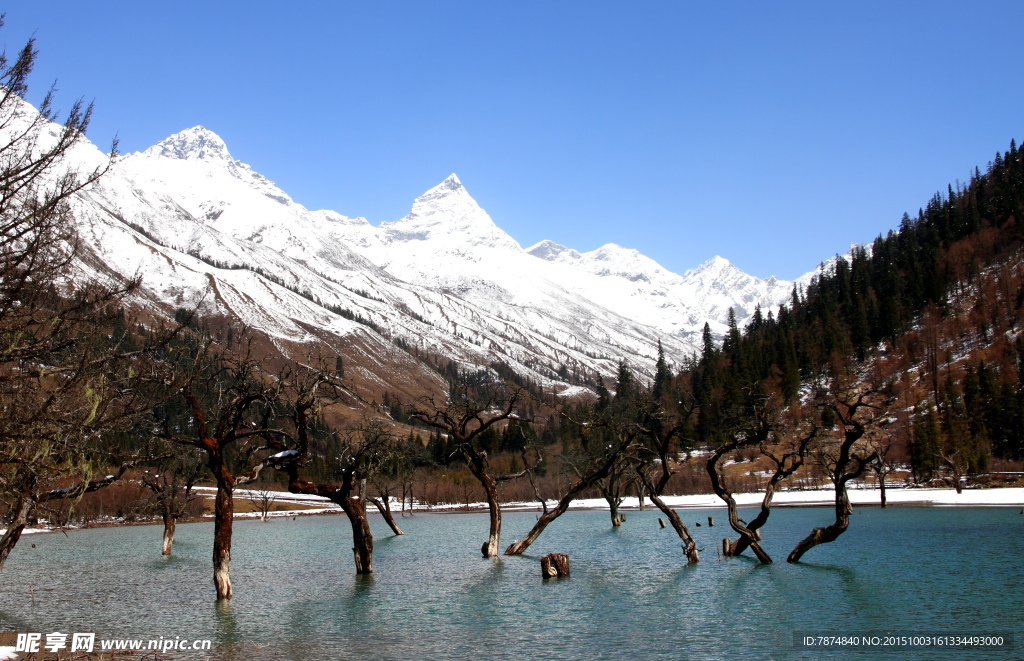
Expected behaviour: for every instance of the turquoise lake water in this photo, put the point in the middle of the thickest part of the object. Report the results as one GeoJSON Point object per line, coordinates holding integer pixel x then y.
{"type": "Point", "coordinates": [898, 571]}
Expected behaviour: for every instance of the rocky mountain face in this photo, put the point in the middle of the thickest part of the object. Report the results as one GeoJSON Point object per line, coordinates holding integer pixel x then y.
{"type": "Point", "coordinates": [202, 228]}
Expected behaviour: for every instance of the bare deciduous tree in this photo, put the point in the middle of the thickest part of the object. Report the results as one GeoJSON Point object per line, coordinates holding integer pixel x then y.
{"type": "Point", "coordinates": [70, 369]}
{"type": "Point", "coordinates": [353, 455]}
{"type": "Point", "coordinates": [171, 477]}
{"type": "Point", "coordinates": [859, 414]}
{"type": "Point", "coordinates": [663, 425]}
{"type": "Point", "coordinates": [262, 501]}
{"type": "Point", "coordinates": [474, 404]}
{"type": "Point", "coordinates": [232, 420]}
{"type": "Point", "coordinates": [603, 442]}
{"type": "Point", "coordinates": [756, 433]}
{"type": "Point", "coordinates": [786, 452]}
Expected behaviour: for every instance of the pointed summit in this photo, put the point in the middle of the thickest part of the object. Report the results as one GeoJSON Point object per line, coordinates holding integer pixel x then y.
{"type": "Point", "coordinates": [196, 143]}
{"type": "Point", "coordinates": [715, 265]}
{"type": "Point", "coordinates": [450, 187]}
{"type": "Point", "coordinates": [448, 212]}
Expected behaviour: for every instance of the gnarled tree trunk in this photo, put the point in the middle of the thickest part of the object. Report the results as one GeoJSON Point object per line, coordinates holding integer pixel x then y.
{"type": "Point", "coordinates": [741, 543]}
{"type": "Point", "coordinates": [748, 537]}
{"type": "Point", "coordinates": [830, 533]}
{"type": "Point", "coordinates": [518, 547]}
{"type": "Point", "coordinates": [613, 509]}
{"type": "Point", "coordinates": [689, 545]}
{"type": "Point", "coordinates": [584, 481]}
{"type": "Point", "coordinates": [848, 466]}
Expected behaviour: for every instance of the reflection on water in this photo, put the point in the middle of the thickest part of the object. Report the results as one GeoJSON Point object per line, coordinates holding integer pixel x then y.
{"type": "Point", "coordinates": [900, 570]}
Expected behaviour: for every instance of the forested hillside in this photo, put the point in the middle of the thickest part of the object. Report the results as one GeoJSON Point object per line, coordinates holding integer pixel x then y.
{"type": "Point", "coordinates": [931, 311]}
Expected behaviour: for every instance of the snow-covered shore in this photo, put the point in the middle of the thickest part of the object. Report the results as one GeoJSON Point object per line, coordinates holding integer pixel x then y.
{"type": "Point", "coordinates": [998, 497]}
{"type": "Point", "coordinates": [916, 497]}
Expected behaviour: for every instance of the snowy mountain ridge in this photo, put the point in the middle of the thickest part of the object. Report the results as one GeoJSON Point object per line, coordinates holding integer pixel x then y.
{"type": "Point", "coordinates": [445, 279]}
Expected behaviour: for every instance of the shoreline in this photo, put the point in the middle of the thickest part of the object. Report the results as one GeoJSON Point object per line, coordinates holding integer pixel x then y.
{"type": "Point", "coordinates": [1008, 497]}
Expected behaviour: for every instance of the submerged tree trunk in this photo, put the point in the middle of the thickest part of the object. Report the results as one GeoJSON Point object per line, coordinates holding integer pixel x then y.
{"type": "Point", "coordinates": [613, 509]}
{"type": "Point", "coordinates": [748, 537]}
{"type": "Point", "coordinates": [478, 467]}
{"type": "Point", "coordinates": [828, 534]}
{"type": "Point", "coordinates": [169, 524]}
{"type": "Point", "coordinates": [741, 543]}
{"type": "Point", "coordinates": [585, 481]}
{"type": "Point", "coordinates": [384, 507]}
{"type": "Point", "coordinates": [611, 488]}
{"type": "Point", "coordinates": [223, 519]}
{"type": "Point", "coordinates": [519, 546]}
{"type": "Point", "coordinates": [490, 549]}
{"type": "Point", "coordinates": [554, 565]}
{"type": "Point", "coordinates": [689, 546]}
{"type": "Point", "coordinates": [362, 539]}
{"type": "Point", "coordinates": [842, 473]}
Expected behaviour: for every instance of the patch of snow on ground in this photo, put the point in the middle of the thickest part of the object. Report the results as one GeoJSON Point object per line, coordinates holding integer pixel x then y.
{"type": "Point", "coordinates": [999, 497]}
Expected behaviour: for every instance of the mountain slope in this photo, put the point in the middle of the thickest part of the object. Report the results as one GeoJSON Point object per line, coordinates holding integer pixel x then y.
{"type": "Point", "coordinates": [199, 225]}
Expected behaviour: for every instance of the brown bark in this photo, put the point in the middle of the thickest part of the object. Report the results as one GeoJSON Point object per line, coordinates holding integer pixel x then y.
{"type": "Point", "coordinates": [477, 462]}
{"type": "Point", "coordinates": [748, 538]}
{"type": "Point", "coordinates": [554, 565]}
{"type": "Point", "coordinates": [169, 525]}
{"type": "Point", "coordinates": [223, 521]}
{"type": "Point", "coordinates": [362, 539]}
{"type": "Point", "coordinates": [384, 507]}
{"type": "Point", "coordinates": [785, 465]}
{"type": "Point", "coordinates": [611, 489]}
{"type": "Point", "coordinates": [519, 546]}
{"type": "Point", "coordinates": [663, 437]}
{"type": "Point", "coordinates": [613, 509]}
{"type": "Point", "coordinates": [236, 422]}
{"type": "Point", "coordinates": [830, 533]}
{"type": "Point", "coordinates": [584, 481]}
{"type": "Point", "coordinates": [848, 466]}
{"type": "Point", "coordinates": [465, 419]}
{"type": "Point", "coordinates": [689, 545]}
{"type": "Point", "coordinates": [364, 442]}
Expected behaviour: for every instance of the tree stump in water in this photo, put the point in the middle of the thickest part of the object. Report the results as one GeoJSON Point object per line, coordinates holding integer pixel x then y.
{"type": "Point", "coordinates": [661, 522]}
{"type": "Point", "coordinates": [711, 521]}
{"type": "Point", "coordinates": [554, 565]}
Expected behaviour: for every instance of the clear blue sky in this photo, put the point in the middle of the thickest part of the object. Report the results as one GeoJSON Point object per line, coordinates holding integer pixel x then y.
{"type": "Point", "coordinates": [771, 133]}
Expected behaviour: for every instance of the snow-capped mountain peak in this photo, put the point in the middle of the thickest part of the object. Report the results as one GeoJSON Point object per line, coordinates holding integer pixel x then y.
{"type": "Point", "coordinates": [445, 279]}
{"type": "Point", "coordinates": [451, 183]}
{"type": "Point", "coordinates": [196, 143]}
{"type": "Point", "coordinates": [551, 251]}
{"type": "Point", "coordinates": [448, 212]}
